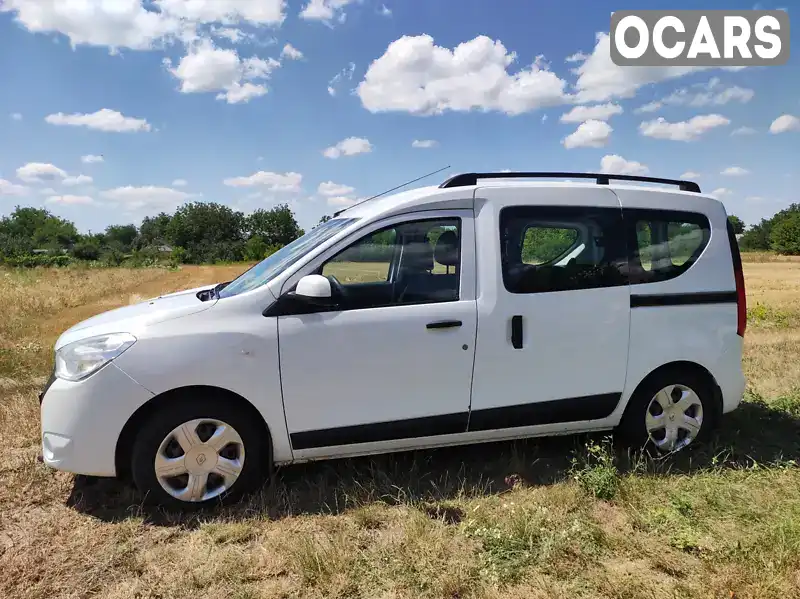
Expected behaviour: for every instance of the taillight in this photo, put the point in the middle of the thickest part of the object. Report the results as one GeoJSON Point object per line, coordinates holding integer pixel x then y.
{"type": "Point", "coordinates": [738, 275]}
{"type": "Point", "coordinates": [741, 303]}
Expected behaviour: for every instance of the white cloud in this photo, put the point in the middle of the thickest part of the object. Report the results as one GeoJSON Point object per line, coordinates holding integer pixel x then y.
{"type": "Point", "coordinates": [290, 52]}
{"type": "Point", "coordinates": [424, 143]}
{"type": "Point", "coordinates": [416, 76]}
{"type": "Point", "coordinates": [721, 192]}
{"type": "Point", "coordinates": [92, 159]}
{"type": "Point", "coordinates": [74, 180]}
{"type": "Point", "coordinates": [735, 171]}
{"type": "Point", "coordinates": [687, 97]}
{"type": "Point", "coordinates": [149, 196]}
{"type": "Point", "coordinates": [331, 189]}
{"type": "Point", "coordinates": [385, 11]}
{"type": "Point", "coordinates": [599, 112]}
{"type": "Point", "coordinates": [784, 123]}
{"type": "Point", "coordinates": [70, 200]}
{"type": "Point", "coordinates": [599, 79]}
{"type": "Point", "coordinates": [348, 147]}
{"type": "Point", "coordinates": [7, 188]}
{"type": "Point", "coordinates": [256, 12]}
{"type": "Point", "coordinates": [614, 164]}
{"type": "Point", "coordinates": [16, 116]}
{"type": "Point", "coordinates": [690, 130]}
{"type": "Point", "coordinates": [270, 181]}
{"type": "Point", "coordinates": [591, 134]}
{"type": "Point", "coordinates": [649, 107]}
{"type": "Point", "coordinates": [690, 175]}
{"type": "Point", "coordinates": [345, 74]}
{"type": "Point", "coordinates": [743, 131]}
{"type": "Point", "coordinates": [111, 23]}
{"type": "Point", "coordinates": [47, 191]}
{"type": "Point", "coordinates": [102, 120]}
{"type": "Point", "coordinates": [38, 172]}
{"type": "Point", "coordinates": [209, 69]}
{"type": "Point", "coordinates": [180, 183]}
{"type": "Point", "coordinates": [324, 10]}
{"type": "Point", "coordinates": [577, 57]}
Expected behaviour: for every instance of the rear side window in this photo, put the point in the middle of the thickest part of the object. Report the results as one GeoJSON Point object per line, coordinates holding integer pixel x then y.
{"type": "Point", "coordinates": [664, 243]}
{"type": "Point", "coordinates": [562, 248]}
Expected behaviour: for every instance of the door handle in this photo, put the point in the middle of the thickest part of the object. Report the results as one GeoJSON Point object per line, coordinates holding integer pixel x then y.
{"type": "Point", "coordinates": [516, 331]}
{"type": "Point", "coordinates": [444, 324]}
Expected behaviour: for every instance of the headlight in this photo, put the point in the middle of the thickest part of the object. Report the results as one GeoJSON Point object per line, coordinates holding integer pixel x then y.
{"type": "Point", "coordinates": [78, 360]}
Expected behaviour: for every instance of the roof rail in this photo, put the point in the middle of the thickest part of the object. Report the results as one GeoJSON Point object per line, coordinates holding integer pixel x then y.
{"type": "Point", "coordinates": [467, 179]}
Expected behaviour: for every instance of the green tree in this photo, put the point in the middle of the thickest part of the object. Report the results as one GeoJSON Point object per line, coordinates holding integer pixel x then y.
{"type": "Point", "coordinates": [86, 250]}
{"type": "Point", "coordinates": [785, 234]}
{"type": "Point", "coordinates": [209, 232]}
{"type": "Point", "coordinates": [276, 227]}
{"type": "Point", "coordinates": [153, 230]}
{"type": "Point", "coordinates": [40, 228]}
{"type": "Point", "coordinates": [737, 223]}
{"type": "Point", "coordinates": [121, 237]}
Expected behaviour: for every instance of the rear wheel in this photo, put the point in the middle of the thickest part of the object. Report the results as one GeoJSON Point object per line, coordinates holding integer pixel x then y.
{"type": "Point", "coordinates": [669, 412]}
{"type": "Point", "coordinates": [193, 454]}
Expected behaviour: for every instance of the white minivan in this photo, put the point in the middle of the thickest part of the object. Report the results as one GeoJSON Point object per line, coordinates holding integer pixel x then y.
{"type": "Point", "coordinates": [494, 306]}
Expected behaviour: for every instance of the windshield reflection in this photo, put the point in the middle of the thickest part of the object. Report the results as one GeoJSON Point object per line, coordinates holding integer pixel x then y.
{"type": "Point", "coordinates": [273, 265]}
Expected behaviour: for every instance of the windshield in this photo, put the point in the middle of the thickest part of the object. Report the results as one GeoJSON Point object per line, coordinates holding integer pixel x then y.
{"type": "Point", "coordinates": [275, 264]}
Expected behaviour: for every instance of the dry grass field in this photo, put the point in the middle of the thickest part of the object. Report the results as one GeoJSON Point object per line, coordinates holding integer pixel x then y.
{"type": "Point", "coordinates": [570, 517]}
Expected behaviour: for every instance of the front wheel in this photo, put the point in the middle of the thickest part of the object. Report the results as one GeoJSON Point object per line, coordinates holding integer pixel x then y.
{"type": "Point", "coordinates": [193, 454]}
{"type": "Point", "coordinates": [670, 412]}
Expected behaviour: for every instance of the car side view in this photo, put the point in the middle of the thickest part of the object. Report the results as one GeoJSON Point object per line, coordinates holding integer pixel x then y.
{"type": "Point", "coordinates": [493, 306]}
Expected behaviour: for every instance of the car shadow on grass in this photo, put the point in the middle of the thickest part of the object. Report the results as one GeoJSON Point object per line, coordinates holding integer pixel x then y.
{"type": "Point", "coordinates": [755, 433]}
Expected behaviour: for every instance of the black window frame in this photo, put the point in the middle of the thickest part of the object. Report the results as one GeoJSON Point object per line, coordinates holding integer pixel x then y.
{"type": "Point", "coordinates": [394, 265]}
{"type": "Point", "coordinates": [559, 213]}
{"type": "Point", "coordinates": [632, 216]}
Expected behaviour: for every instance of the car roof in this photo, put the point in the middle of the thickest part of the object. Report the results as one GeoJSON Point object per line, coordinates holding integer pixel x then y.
{"type": "Point", "coordinates": [437, 198]}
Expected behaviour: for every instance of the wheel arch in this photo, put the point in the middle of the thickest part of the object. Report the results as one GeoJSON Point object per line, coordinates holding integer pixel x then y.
{"type": "Point", "coordinates": [683, 366]}
{"type": "Point", "coordinates": [122, 452]}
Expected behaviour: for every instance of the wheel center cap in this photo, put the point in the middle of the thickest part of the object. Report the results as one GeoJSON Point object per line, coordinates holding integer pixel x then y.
{"type": "Point", "coordinates": [201, 459]}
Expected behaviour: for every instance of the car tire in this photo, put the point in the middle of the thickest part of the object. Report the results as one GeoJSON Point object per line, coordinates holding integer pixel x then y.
{"type": "Point", "coordinates": [669, 412]}
{"type": "Point", "coordinates": [197, 452]}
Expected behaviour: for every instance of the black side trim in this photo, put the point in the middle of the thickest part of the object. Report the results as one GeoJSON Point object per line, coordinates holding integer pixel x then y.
{"type": "Point", "coordinates": [684, 299]}
{"type": "Point", "coordinates": [573, 409]}
{"type": "Point", "coordinates": [412, 428]}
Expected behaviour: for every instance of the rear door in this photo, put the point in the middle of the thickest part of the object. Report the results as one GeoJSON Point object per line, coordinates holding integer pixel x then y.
{"type": "Point", "coordinates": [553, 308]}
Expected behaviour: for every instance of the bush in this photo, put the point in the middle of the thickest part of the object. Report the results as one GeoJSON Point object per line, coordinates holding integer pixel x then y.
{"type": "Point", "coordinates": [86, 251]}
{"type": "Point", "coordinates": [596, 471]}
{"type": "Point", "coordinates": [33, 260]}
{"type": "Point", "coordinates": [112, 257]}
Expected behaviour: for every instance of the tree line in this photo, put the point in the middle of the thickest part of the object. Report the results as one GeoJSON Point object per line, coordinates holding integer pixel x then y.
{"type": "Point", "coordinates": [207, 232]}
{"type": "Point", "coordinates": [198, 232]}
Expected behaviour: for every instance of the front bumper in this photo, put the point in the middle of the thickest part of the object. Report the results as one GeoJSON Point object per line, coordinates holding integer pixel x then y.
{"type": "Point", "coordinates": [81, 421]}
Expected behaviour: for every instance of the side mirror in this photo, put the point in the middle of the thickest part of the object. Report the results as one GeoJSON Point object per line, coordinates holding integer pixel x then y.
{"type": "Point", "coordinates": [314, 290]}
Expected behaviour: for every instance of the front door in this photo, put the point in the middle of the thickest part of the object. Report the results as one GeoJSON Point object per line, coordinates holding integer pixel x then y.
{"type": "Point", "coordinates": [392, 363]}
{"type": "Point", "coordinates": [553, 316]}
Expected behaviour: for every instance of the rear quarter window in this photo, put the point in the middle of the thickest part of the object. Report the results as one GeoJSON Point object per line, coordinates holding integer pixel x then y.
{"type": "Point", "coordinates": [664, 243]}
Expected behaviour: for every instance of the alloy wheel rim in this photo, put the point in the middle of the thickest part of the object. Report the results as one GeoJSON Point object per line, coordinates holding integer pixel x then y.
{"type": "Point", "coordinates": [674, 418]}
{"type": "Point", "coordinates": [199, 460]}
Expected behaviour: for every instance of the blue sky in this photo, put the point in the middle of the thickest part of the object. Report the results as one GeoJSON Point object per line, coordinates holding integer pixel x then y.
{"type": "Point", "coordinates": [115, 109]}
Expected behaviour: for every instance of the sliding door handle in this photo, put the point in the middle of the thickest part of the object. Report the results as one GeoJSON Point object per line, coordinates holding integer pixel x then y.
{"type": "Point", "coordinates": [444, 324]}
{"type": "Point", "coordinates": [516, 331]}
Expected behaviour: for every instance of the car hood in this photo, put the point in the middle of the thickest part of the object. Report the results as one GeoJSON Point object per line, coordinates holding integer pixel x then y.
{"type": "Point", "coordinates": [130, 319]}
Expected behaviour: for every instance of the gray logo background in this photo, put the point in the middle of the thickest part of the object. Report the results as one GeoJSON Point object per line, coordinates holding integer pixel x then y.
{"type": "Point", "coordinates": [690, 19]}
